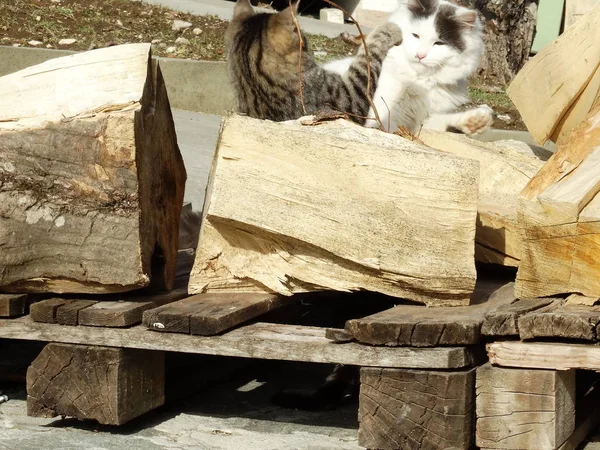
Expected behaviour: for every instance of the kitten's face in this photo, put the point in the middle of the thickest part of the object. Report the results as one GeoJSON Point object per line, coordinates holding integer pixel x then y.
{"type": "Point", "coordinates": [435, 33]}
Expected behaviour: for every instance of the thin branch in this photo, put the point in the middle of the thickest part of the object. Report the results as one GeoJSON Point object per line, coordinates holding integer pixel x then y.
{"type": "Point", "coordinates": [300, 87]}
{"type": "Point", "coordinates": [364, 41]}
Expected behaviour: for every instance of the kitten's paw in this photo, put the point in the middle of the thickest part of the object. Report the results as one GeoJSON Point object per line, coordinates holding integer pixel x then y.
{"type": "Point", "coordinates": [390, 33]}
{"type": "Point", "coordinates": [477, 120]}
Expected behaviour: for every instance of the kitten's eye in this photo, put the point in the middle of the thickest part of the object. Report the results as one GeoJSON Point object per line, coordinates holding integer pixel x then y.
{"type": "Point", "coordinates": [439, 43]}
{"type": "Point", "coordinates": [416, 35]}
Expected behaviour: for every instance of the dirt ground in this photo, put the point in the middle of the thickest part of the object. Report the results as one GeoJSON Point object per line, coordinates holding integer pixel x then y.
{"type": "Point", "coordinates": [85, 25]}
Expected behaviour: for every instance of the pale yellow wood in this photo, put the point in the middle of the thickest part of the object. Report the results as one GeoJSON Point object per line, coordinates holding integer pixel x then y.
{"type": "Point", "coordinates": [544, 355]}
{"type": "Point", "coordinates": [92, 178]}
{"type": "Point", "coordinates": [524, 408]}
{"type": "Point", "coordinates": [576, 9]}
{"type": "Point", "coordinates": [505, 168]}
{"type": "Point", "coordinates": [259, 340]}
{"type": "Point", "coordinates": [576, 299]}
{"type": "Point", "coordinates": [559, 211]}
{"type": "Point", "coordinates": [551, 81]}
{"type": "Point", "coordinates": [295, 208]}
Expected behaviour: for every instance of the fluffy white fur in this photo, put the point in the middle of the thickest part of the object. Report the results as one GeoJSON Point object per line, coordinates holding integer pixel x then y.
{"type": "Point", "coordinates": [424, 80]}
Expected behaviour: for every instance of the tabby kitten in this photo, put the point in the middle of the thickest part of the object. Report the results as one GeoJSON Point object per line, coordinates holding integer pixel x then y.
{"type": "Point", "coordinates": [263, 52]}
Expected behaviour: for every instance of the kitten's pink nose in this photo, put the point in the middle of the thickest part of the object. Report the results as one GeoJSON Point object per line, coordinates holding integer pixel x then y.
{"type": "Point", "coordinates": [421, 56]}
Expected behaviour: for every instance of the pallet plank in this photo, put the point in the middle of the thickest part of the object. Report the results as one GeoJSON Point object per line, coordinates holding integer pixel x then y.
{"type": "Point", "coordinates": [14, 305]}
{"type": "Point", "coordinates": [561, 321]}
{"type": "Point", "coordinates": [259, 340]}
{"type": "Point", "coordinates": [113, 314]}
{"type": "Point", "coordinates": [503, 321]}
{"type": "Point", "coordinates": [45, 311]}
{"type": "Point", "coordinates": [544, 355]}
{"type": "Point", "coordinates": [68, 314]}
{"type": "Point", "coordinates": [420, 326]}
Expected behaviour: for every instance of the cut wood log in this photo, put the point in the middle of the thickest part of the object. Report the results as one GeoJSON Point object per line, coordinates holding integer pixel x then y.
{"type": "Point", "coordinates": [559, 211]}
{"type": "Point", "coordinates": [503, 321]}
{"type": "Point", "coordinates": [260, 340]}
{"type": "Point", "coordinates": [505, 169]}
{"type": "Point", "coordinates": [110, 385]}
{"type": "Point", "coordinates": [560, 321]}
{"type": "Point", "coordinates": [419, 326]}
{"type": "Point", "coordinates": [210, 314]}
{"type": "Point", "coordinates": [413, 409]}
{"type": "Point", "coordinates": [552, 81]}
{"type": "Point", "coordinates": [91, 176]}
{"type": "Point", "coordinates": [292, 208]}
{"type": "Point", "coordinates": [524, 408]}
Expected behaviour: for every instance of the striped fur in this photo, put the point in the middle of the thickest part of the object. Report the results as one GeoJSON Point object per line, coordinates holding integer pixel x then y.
{"type": "Point", "coordinates": [263, 55]}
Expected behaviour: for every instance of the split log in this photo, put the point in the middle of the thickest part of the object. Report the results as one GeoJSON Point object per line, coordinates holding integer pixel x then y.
{"type": "Point", "coordinates": [91, 178]}
{"type": "Point", "coordinates": [292, 208]}
{"type": "Point", "coordinates": [524, 408]}
{"type": "Point", "coordinates": [559, 211]}
{"type": "Point", "coordinates": [551, 82]}
{"type": "Point", "coordinates": [505, 169]}
{"type": "Point", "coordinates": [110, 385]}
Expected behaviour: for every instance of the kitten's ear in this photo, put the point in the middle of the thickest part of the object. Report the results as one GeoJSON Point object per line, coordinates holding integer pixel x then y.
{"type": "Point", "coordinates": [422, 7]}
{"type": "Point", "coordinates": [286, 17]}
{"type": "Point", "coordinates": [467, 18]}
{"type": "Point", "coordinates": [243, 9]}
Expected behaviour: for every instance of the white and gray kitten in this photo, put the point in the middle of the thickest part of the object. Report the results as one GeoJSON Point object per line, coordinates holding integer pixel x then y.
{"type": "Point", "coordinates": [424, 80]}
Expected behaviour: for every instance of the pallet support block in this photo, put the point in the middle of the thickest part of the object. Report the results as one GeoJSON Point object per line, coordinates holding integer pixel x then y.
{"type": "Point", "coordinates": [416, 409]}
{"type": "Point", "coordinates": [524, 408]}
{"type": "Point", "coordinates": [110, 385]}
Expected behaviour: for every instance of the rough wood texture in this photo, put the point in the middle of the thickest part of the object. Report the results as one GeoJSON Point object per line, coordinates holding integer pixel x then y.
{"type": "Point", "coordinates": [544, 90]}
{"type": "Point", "coordinates": [68, 314]}
{"type": "Point", "coordinates": [336, 207]}
{"type": "Point", "coordinates": [210, 314]}
{"type": "Point", "coordinates": [505, 169]}
{"type": "Point", "coordinates": [503, 321]}
{"type": "Point", "coordinates": [576, 299]}
{"type": "Point", "coordinates": [561, 321]}
{"type": "Point", "coordinates": [113, 314]}
{"type": "Point", "coordinates": [544, 355]}
{"type": "Point", "coordinates": [587, 420]}
{"type": "Point", "coordinates": [260, 340]}
{"type": "Point", "coordinates": [91, 173]}
{"type": "Point", "coordinates": [45, 311]}
{"type": "Point", "coordinates": [560, 213]}
{"type": "Point", "coordinates": [419, 326]}
{"type": "Point", "coordinates": [411, 409]}
{"type": "Point", "coordinates": [14, 305]}
{"type": "Point", "coordinates": [524, 409]}
{"type": "Point", "coordinates": [110, 385]}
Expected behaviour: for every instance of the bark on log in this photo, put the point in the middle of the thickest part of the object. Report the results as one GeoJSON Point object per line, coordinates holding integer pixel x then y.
{"type": "Point", "coordinates": [560, 214]}
{"type": "Point", "coordinates": [505, 169]}
{"type": "Point", "coordinates": [91, 178]}
{"type": "Point", "coordinates": [293, 208]}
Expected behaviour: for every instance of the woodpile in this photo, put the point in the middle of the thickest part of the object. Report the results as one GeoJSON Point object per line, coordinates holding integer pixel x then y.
{"type": "Point", "coordinates": [91, 178]}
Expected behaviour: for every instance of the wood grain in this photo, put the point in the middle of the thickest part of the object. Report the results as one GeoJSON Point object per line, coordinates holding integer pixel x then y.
{"type": "Point", "coordinates": [260, 340]}
{"type": "Point", "coordinates": [91, 173]}
{"type": "Point", "coordinates": [419, 326]}
{"type": "Point", "coordinates": [503, 321]}
{"type": "Point", "coordinates": [14, 305]}
{"type": "Point", "coordinates": [412, 409]}
{"type": "Point", "coordinates": [110, 385]}
{"type": "Point", "coordinates": [68, 314]}
{"type": "Point", "coordinates": [45, 311]}
{"type": "Point", "coordinates": [336, 207]}
{"type": "Point", "coordinates": [113, 314]}
{"type": "Point", "coordinates": [524, 408]}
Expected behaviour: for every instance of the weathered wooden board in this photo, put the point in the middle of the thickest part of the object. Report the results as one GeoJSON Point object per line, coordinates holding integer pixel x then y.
{"type": "Point", "coordinates": [544, 355]}
{"type": "Point", "coordinates": [210, 314]}
{"type": "Point", "coordinates": [110, 385]}
{"type": "Point", "coordinates": [587, 420]}
{"type": "Point", "coordinates": [260, 340]}
{"type": "Point", "coordinates": [91, 173]}
{"type": "Point", "coordinates": [336, 207]}
{"type": "Point", "coordinates": [68, 313]}
{"type": "Point", "coordinates": [113, 314]}
{"type": "Point", "coordinates": [551, 81]}
{"type": "Point", "coordinates": [45, 311]}
{"type": "Point", "coordinates": [524, 408]}
{"type": "Point", "coordinates": [560, 214]}
{"type": "Point", "coordinates": [503, 321]}
{"type": "Point", "coordinates": [14, 305]}
{"type": "Point", "coordinates": [505, 169]}
{"type": "Point", "coordinates": [419, 326]}
{"type": "Point", "coordinates": [413, 409]}
{"type": "Point", "coordinates": [561, 321]}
